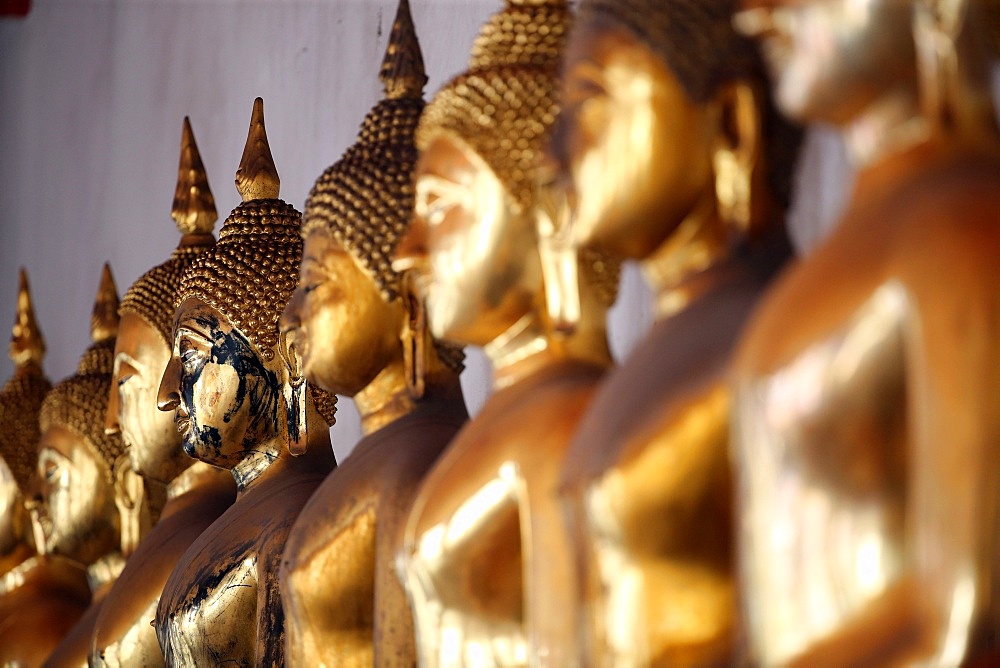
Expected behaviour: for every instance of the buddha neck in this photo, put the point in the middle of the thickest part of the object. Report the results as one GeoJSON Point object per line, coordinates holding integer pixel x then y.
{"type": "Point", "coordinates": [385, 399]}
{"type": "Point", "coordinates": [104, 571]}
{"type": "Point", "coordinates": [29, 369]}
{"type": "Point", "coordinates": [259, 458]}
{"type": "Point", "coordinates": [891, 124]}
{"type": "Point", "coordinates": [519, 351]}
{"type": "Point", "coordinates": [526, 348]}
{"type": "Point", "coordinates": [17, 575]}
{"type": "Point", "coordinates": [15, 557]}
{"type": "Point", "coordinates": [699, 242]}
{"type": "Point", "coordinates": [192, 477]}
{"type": "Point", "coordinates": [272, 457]}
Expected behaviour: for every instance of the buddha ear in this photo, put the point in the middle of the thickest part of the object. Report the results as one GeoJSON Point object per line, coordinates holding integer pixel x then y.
{"type": "Point", "coordinates": [294, 393]}
{"type": "Point", "coordinates": [291, 363]}
{"type": "Point", "coordinates": [415, 337]}
{"type": "Point", "coordinates": [132, 504]}
{"type": "Point", "coordinates": [734, 156]}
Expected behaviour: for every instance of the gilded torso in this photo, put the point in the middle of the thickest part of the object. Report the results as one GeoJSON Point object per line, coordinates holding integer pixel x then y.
{"type": "Point", "coordinates": [40, 600]}
{"type": "Point", "coordinates": [344, 604]}
{"type": "Point", "coordinates": [124, 635]}
{"type": "Point", "coordinates": [648, 485]}
{"type": "Point", "coordinates": [221, 604]}
{"type": "Point", "coordinates": [866, 423]}
{"type": "Point", "coordinates": [486, 558]}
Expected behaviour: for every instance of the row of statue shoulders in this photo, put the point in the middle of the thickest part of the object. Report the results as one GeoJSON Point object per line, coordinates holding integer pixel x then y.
{"type": "Point", "coordinates": [792, 467]}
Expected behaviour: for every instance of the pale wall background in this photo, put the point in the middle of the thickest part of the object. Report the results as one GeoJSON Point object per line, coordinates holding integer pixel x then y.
{"type": "Point", "coordinates": [92, 95]}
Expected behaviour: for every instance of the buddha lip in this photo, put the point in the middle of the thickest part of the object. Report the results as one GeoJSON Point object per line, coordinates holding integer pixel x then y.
{"type": "Point", "coordinates": [183, 424]}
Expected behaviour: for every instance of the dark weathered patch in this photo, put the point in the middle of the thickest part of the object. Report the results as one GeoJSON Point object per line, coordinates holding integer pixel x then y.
{"type": "Point", "coordinates": [256, 384]}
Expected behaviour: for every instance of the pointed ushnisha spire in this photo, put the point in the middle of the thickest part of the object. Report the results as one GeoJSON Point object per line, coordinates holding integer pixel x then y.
{"type": "Point", "coordinates": [402, 70]}
{"type": "Point", "coordinates": [26, 343]}
{"type": "Point", "coordinates": [104, 318]}
{"type": "Point", "coordinates": [257, 177]}
{"type": "Point", "coordinates": [194, 206]}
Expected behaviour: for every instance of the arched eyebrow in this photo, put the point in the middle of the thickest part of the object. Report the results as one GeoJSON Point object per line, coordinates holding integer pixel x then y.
{"type": "Point", "coordinates": [51, 453]}
{"type": "Point", "coordinates": [125, 358]}
{"type": "Point", "coordinates": [585, 75]}
{"type": "Point", "coordinates": [194, 333]}
{"type": "Point", "coordinates": [441, 185]}
{"type": "Point", "coordinates": [319, 264]}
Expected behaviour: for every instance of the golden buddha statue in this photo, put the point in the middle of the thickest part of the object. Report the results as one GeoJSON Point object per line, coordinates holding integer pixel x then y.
{"type": "Point", "coordinates": [486, 560]}
{"type": "Point", "coordinates": [232, 385]}
{"type": "Point", "coordinates": [866, 402]}
{"type": "Point", "coordinates": [351, 318]}
{"type": "Point", "coordinates": [197, 493]}
{"type": "Point", "coordinates": [41, 597]}
{"type": "Point", "coordinates": [83, 495]}
{"type": "Point", "coordinates": [672, 156]}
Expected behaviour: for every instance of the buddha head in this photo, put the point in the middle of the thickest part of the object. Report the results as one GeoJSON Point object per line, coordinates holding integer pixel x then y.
{"type": "Point", "coordinates": [229, 371]}
{"type": "Point", "coordinates": [475, 238]}
{"type": "Point", "coordinates": [20, 403]}
{"type": "Point", "coordinates": [76, 458]}
{"type": "Point", "coordinates": [833, 61]}
{"type": "Point", "coordinates": [351, 308]}
{"type": "Point", "coordinates": [142, 347]}
{"type": "Point", "coordinates": [665, 117]}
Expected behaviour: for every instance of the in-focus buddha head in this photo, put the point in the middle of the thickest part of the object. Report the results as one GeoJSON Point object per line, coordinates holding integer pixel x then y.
{"type": "Point", "coordinates": [20, 403]}
{"type": "Point", "coordinates": [654, 93]}
{"type": "Point", "coordinates": [76, 458]}
{"type": "Point", "coordinates": [480, 140]}
{"type": "Point", "coordinates": [142, 348]}
{"type": "Point", "coordinates": [228, 370]}
{"type": "Point", "coordinates": [830, 59]}
{"type": "Point", "coordinates": [349, 309]}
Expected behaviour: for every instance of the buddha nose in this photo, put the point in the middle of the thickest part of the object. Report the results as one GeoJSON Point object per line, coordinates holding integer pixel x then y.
{"type": "Point", "coordinates": [291, 319]}
{"type": "Point", "coordinates": [412, 249]}
{"type": "Point", "coordinates": [755, 19]}
{"type": "Point", "coordinates": [111, 424]}
{"type": "Point", "coordinates": [33, 497]}
{"type": "Point", "coordinates": [168, 395]}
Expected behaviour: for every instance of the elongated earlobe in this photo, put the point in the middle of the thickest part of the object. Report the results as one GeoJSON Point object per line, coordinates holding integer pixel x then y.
{"type": "Point", "coordinates": [294, 393]}
{"type": "Point", "coordinates": [415, 338]}
{"type": "Point", "coordinates": [132, 503]}
{"type": "Point", "coordinates": [295, 409]}
{"type": "Point", "coordinates": [735, 155]}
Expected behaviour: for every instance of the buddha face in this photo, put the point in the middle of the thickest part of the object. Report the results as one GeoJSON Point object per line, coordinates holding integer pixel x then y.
{"type": "Point", "coordinates": [633, 151]}
{"type": "Point", "coordinates": [830, 59]}
{"type": "Point", "coordinates": [223, 395]}
{"type": "Point", "coordinates": [149, 435]}
{"type": "Point", "coordinates": [474, 250]}
{"type": "Point", "coordinates": [77, 512]}
{"type": "Point", "coordinates": [12, 514]}
{"type": "Point", "coordinates": [344, 332]}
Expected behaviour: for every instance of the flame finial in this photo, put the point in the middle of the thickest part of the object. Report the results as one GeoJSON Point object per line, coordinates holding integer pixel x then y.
{"type": "Point", "coordinates": [194, 206]}
{"type": "Point", "coordinates": [26, 343]}
{"type": "Point", "coordinates": [402, 70]}
{"type": "Point", "coordinates": [257, 177]}
{"type": "Point", "coordinates": [104, 319]}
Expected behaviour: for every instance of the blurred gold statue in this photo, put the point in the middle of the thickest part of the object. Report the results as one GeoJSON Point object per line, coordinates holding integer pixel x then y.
{"type": "Point", "coordinates": [197, 493]}
{"type": "Point", "coordinates": [486, 560]}
{"type": "Point", "coordinates": [360, 333]}
{"type": "Point", "coordinates": [233, 388]}
{"type": "Point", "coordinates": [85, 498]}
{"type": "Point", "coordinates": [671, 155]}
{"type": "Point", "coordinates": [41, 597]}
{"type": "Point", "coordinates": [868, 400]}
